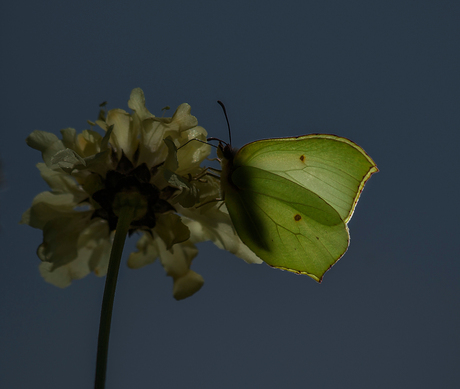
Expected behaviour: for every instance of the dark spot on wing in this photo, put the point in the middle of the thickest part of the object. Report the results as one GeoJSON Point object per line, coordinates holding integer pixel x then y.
{"type": "Point", "coordinates": [297, 217]}
{"type": "Point", "coordinates": [302, 158]}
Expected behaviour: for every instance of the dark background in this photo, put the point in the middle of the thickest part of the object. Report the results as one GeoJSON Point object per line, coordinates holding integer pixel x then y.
{"type": "Point", "coordinates": [384, 74]}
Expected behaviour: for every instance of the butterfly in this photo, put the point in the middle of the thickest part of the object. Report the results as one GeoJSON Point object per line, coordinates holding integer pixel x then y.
{"type": "Point", "coordinates": [290, 199]}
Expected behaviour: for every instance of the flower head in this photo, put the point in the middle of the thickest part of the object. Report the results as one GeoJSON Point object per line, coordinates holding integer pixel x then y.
{"type": "Point", "coordinates": [152, 157]}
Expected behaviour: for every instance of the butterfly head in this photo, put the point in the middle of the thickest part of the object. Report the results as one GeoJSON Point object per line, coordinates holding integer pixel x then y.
{"type": "Point", "coordinates": [225, 151]}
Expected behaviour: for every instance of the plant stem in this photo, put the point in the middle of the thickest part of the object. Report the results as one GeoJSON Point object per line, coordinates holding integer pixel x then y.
{"type": "Point", "coordinates": [124, 219]}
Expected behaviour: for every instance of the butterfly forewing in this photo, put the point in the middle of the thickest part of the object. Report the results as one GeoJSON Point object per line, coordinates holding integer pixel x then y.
{"type": "Point", "coordinates": [334, 168]}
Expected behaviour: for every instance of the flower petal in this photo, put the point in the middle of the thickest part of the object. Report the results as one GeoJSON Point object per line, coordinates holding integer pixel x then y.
{"type": "Point", "coordinates": [193, 153]}
{"type": "Point", "coordinates": [47, 206]}
{"type": "Point", "coordinates": [60, 182]}
{"type": "Point", "coordinates": [47, 143]}
{"type": "Point", "coordinates": [147, 254]}
{"type": "Point", "coordinates": [90, 252]}
{"type": "Point", "coordinates": [124, 135]}
{"type": "Point", "coordinates": [187, 285]}
{"type": "Point", "coordinates": [183, 119]}
{"type": "Point", "coordinates": [216, 225]}
{"type": "Point", "coordinates": [171, 230]}
{"type": "Point", "coordinates": [41, 140]}
{"type": "Point", "coordinates": [137, 103]}
{"type": "Point", "coordinates": [176, 263]}
{"type": "Point", "coordinates": [60, 238]}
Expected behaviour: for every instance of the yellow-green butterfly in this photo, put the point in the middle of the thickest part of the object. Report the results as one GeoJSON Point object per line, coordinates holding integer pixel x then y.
{"type": "Point", "coordinates": [290, 199]}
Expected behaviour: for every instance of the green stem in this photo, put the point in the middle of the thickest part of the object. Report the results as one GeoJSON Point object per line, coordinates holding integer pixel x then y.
{"type": "Point", "coordinates": [125, 217]}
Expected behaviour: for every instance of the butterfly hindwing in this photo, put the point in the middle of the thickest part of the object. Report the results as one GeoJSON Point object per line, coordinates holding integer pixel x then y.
{"type": "Point", "coordinates": [286, 225]}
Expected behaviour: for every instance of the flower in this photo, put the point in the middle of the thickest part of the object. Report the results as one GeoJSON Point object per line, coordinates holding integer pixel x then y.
{"type": "Point", "coordinates": [159, 158]}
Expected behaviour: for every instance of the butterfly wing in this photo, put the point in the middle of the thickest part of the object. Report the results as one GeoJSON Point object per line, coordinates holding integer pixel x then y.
{"type": "Point", "coordinates": [285, 224]}
{"type": "Point", "coordinates": [332, 167]}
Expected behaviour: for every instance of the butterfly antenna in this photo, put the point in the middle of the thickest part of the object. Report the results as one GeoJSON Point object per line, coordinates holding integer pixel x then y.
{"type": "Point", "coordinates": [199, 140]}
{"type": "Point", "coordinates": [226, 118]}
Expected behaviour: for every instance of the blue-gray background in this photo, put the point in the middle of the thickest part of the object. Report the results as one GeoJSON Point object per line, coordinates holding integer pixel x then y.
{"type": "Point", "coordinates": [384, 74]}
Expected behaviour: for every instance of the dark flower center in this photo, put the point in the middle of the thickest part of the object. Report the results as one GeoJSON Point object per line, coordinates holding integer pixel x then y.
{"type": "Point", "coordinates": [126, 178]}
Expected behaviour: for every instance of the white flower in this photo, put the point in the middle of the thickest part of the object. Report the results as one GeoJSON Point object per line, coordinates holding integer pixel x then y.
{"type": "Point", "coordinates": [153, 156]}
